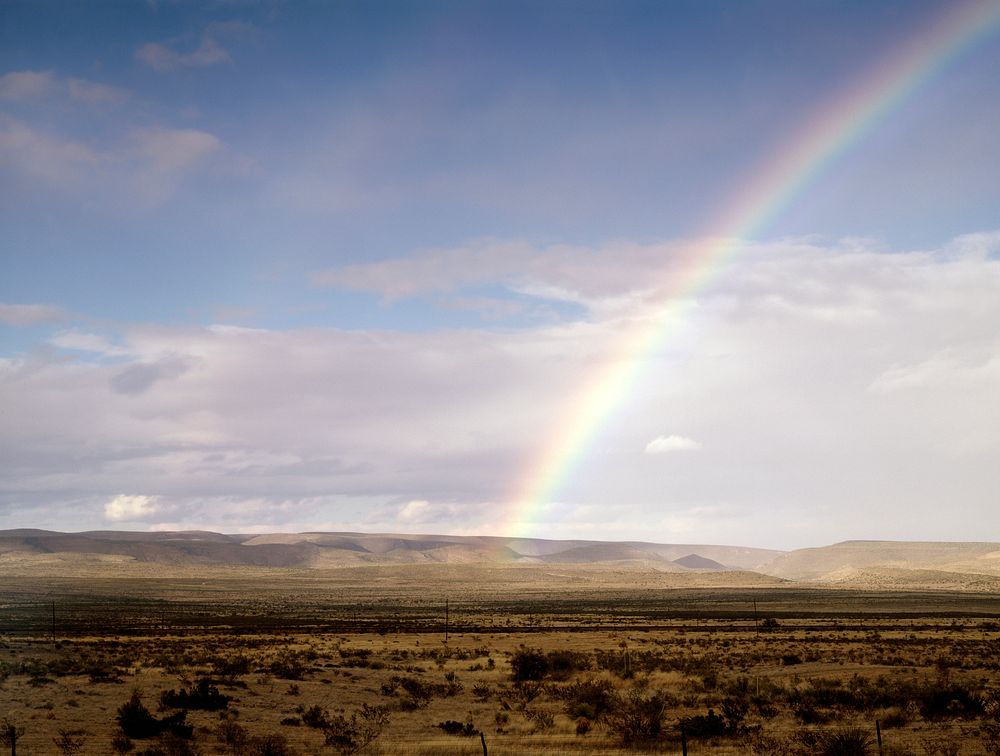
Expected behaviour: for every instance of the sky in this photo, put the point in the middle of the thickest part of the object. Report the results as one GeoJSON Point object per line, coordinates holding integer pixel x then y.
{"type": "Point", "coordinates": [355, 266]}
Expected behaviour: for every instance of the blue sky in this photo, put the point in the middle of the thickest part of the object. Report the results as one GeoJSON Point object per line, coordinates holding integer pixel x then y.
{"type": "Point", "coordinates": [434, 215]}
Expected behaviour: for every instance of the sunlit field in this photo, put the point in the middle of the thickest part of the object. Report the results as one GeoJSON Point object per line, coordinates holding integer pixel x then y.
{"type": "Point", "coordinates": [516, 660]}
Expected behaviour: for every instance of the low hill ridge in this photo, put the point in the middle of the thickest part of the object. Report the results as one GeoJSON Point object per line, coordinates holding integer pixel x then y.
{"type": "Point", "coordinates": [867, 564]}
{"type": "Point", "coordinates": [325, 550]}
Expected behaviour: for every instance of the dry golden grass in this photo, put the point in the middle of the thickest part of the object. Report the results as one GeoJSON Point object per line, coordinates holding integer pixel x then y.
{"type": "Point", "coordinates": [351, 636]}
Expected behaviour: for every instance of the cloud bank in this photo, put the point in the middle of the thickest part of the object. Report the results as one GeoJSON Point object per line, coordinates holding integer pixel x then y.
{"type": "Point", "coordinates": [839, 390]}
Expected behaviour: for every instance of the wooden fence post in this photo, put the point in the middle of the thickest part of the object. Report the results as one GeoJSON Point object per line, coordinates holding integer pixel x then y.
{"type": "Point", "coordinates": [878, 735]}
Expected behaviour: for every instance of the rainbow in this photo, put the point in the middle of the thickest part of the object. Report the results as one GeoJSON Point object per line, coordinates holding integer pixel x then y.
{"type": "Point", "coordinates": [831, 132]}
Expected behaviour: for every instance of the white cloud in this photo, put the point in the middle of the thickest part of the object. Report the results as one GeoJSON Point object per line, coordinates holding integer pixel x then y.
{"type": "Point", "coordinates": [29, 314]}
{"type": "Point", "coordinates": [414, 511]}
{"type": "Point", "coordinates": [163, 58]}
{"type": "Point", "coordinates": [95, 93]}
{"type": "Point", "coordinates": [25, 85]}
{"type": "Point", "coordinates": [87, 342]}
{"type": "Point", "coordinates": [174, 150]}
{"type": "Point", "coordinates": [53, 159]}
{"type": "Point", "coordinates": [36, 85]}
{"type": "Point", "coordinates": [130, 508]}
{"type": "Point", "coordinates": [671, 443]}
{"type": "Point", "coordinates": [955, 369]}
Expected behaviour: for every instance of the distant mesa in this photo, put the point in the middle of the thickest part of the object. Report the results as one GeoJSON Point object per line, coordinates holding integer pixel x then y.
{"type": "Point", "coordinates": [698, 562]}
{"type": "Point", "coordinates": [876, 565]}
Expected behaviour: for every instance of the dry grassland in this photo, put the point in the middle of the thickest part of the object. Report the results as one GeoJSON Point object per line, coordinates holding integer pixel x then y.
{"type": "Point", "coordinates": [570, 661]}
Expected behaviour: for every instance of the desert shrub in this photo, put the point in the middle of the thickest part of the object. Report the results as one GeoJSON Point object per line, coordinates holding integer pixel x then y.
{"type": "Point", "coordinates": [202, 696]}
{"type": "Point", "coordinates": [100, 672]}
{"type": "Point", "coordinates": [121, 744]}
{"type": "Point", "coordinates": [234, 735]}
{"type": "Point", "coordinates": [452, 685]}
{"type": "Point", "coordinates": [454, 727]}
{"type": "Point", "coordinates": [759, 743]}
{"type": "Point", "coordinates": [137, 722]}
{"type": "Point", "coordinates": [808, 714]}
{"type": "Point", "coordinates": [363, 728]}
{"type": "Point", "coordinates": [10, 733]}
{"type": "Point", "coordinates": [709, 725]}
{"type": "Point", "coordinates": [542, 720]}
{"type": "Point", "coordinates": [528, 664]}
{"type": "Point", "coordinates": [636, 718]}
{"type": "Point", "coordinates": [526, 692]}
{"type": "Point", "coordinates": [893, 718]}
{"type": "Point", "coordinates": [69, 742]}
{"type": "Point", "coordinates": [940, 745]}
{"type": "Point", "coordinates": [316, 717]}
{"type": "Point", "coordinates": [482, 691]}
{"type": "Point", "coordinates": [949, 701]}
{"type": "Point", "coordinates": [356, 657]}
{"type": "Point", "coordinates": [269, 745]}
{"type": "Point", "coordinates": [847, 741]}
{"type": "Point", "coordinates": [289, 665]}
{"type": "Point", "coordinates": [791, 659]}
{"type": "Point", "coordinates": [419, 692]}
{"type": "Point", "coordinates": [582, 726]}
{"type": "Point", "coordinates": [563, 663]}
{"type": "Point", "coordinates": [170, 744]}
{"type": "Point", "coordinates": [590, 699]}
{"type": "Point", "coordinates": [230, 667]}
{"type": "Point", "coordinates": [769, 623]}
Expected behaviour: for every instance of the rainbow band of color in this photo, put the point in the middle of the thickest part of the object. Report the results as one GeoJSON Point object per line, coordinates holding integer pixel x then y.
{"type": "Point", "coordinates": [833, 131]}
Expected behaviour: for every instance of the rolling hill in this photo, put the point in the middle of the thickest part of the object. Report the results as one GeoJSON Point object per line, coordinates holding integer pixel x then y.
{"type": "Point", "coordinates": [876, 565]}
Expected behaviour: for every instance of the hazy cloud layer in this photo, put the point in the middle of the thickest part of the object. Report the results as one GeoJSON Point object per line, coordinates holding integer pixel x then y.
{"type": "Point", "coordinates": [28, 314]}
{"type": "Point", "coordinates": [820, 384]}
{"type": "Point", "coordinates": [124, 157]}
{"type": "Point", "coordinates": [164, 57]}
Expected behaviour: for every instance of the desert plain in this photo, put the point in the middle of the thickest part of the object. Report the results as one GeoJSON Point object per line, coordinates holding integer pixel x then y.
{"type": "Point", "coordinates": [200, 643]}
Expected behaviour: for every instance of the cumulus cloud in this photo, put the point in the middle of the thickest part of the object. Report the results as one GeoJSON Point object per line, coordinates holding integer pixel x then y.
{"type": "Point", "coordinates": [414, 511]}
{"type": "Point", "coordinates": [164, 57]}
{"type": "Point", "coordinates": [29, 314]}
{"type": "Point", "coordinates": [130, 508]}
{"type": "Point", "coordinates": [671, 443]}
